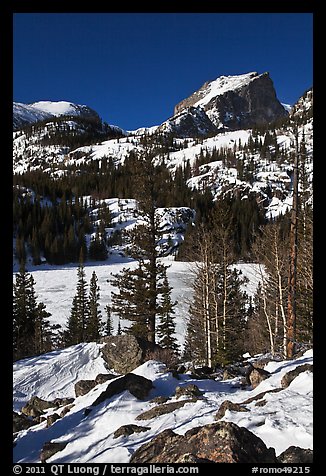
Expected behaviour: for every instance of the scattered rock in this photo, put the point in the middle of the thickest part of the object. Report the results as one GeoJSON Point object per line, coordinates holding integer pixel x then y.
{"type": "Point", "coordinates": [260, 395]}
{"type": "Point", "coordinates": [261, 403]}
{"type": "Point", "coordinates": [51, 419]}
{"type": "Point", "coordinates": [290, 376]}
{"type": "Point", "coordinates": [66, 410]}
{"type": "Point", "coordinates": [49, 449]}
{"type": "Point", "coordinates": [126, 352]}
{"type": "Point", "coordinates": [21, 422]}
{"type": "Point", "coordinates": [190, 390]}
{"type": "Point", "coordinates": [159, 400]}
{"type": "Point", "coordinates": [296, 455]}
{"type": "Point", "coordinates": [227, 405]}
{"type": "Point", "coordinates": [36, 406]}
{"type": "Point", "coordinates": [84, 386]}
{"type": "Point", "coordinates": [127, 430]}
{"type": "Point", "coordinates": [137, 385]}
{"type": "Point", "coordinates": [163, 409]}
{"type": "Point", "coordinates": [61, 402]}
{"type": "Point", "coordinates": [30, 410]}
{"type": "Point", "coordinates": [102, 378]}
{"type": "Point", "coordinates": [221, 442]}
{"type": "Point", "coordinates": [256, 376]}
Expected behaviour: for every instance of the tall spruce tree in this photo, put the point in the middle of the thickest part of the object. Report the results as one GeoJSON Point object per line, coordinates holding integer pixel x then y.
{"type": "Point", "coordinates": [139, 289]}
{"type": "Point", "coordinates": [131, 301]}
{"type": "Point", "coordinates": [94, 324]}
{"type": "Point", "coordinates": [77, 324]}
{"type": "Point", "coordinates": [31, 335]}
{"type": "Point", "coordinates": [166, 326]}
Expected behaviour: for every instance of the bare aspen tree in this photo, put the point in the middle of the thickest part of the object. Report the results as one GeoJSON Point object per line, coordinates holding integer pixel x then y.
{"type": "Point", "coordinates": [292, 277]}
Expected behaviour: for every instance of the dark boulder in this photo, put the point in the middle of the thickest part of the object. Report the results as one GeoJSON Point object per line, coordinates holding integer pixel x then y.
{"type": "Point", "coordinates": [36, 406]}
{"type": "Point", "coordinates": [290, 376]}
{"type": "Point", "coordinates": [84, 386]}
{"type": "Point", "coordinates": [296, 455]}
{"type": "Point", "coordinates": [163, 409]}
{"type": "Point", "coordinates": [51, 419]}
{"type": "Point", "coordinates": [221, 442]}
{"type": "Point", "coordinates": [62, 402]}
{"type": "Point", "coordinates": [190, 390]}
{"type": "Point", "coordinates": [127, 430]}
{"type": "Point", "coordinates": [102, 378]}
{"type": "Point", "coordinates": [21, 422]}
{"type": "Point", "coordinates": [137, 385]}
{"type": "Point", "coordinates": [256, 375]}
{"type": "Point", "coordinates": [124, 353]}
{"type": "Point", "coordinates": [227, 405]}
{"type": "Point", "coordinates": [49, 449]}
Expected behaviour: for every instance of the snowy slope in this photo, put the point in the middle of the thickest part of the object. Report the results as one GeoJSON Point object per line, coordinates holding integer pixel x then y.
{"type": "Point", "coordinates": [285, 420]}
{"type": "Point", "coordinates": [55, 374]}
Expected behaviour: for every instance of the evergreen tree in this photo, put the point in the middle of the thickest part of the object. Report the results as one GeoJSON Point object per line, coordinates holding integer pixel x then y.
{"type": "Point", "coordinates": [30, 325]}
{"type": "Point", "coordinates": [108, 325]}
{"type": "Point", "coordinates": [166, 327]}
{"type": "Point", "coordinates": [71, 335]}
{"type": "Point", "coordinates": [94, 325]}
{"type": "Point", "coordinates": [79, 315]}
{"type": "Point", "coordinates": [131, 302]}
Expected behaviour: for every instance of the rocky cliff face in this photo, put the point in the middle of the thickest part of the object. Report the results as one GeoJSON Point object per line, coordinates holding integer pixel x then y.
{"type": "Point", "coordinates": [236, 102]}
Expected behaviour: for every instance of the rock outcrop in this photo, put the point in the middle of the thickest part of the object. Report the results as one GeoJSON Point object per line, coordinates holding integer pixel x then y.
{"type": "Point", "coordinates": [164, 409]}
{"type": "Point", "coordinates": [21, 422]}
{"type": "Point", "coordinates": [227, 405]}
{"type": "Point", "coordinates": [221, 442]}
{"type": "Point", "coordinates": [136, 384]}
{"type": "Point", "coordinates": [236, 102]}
{"type": "Point", "coordinates": [290, 376]}
{"type": "Point", "coordinates": [127, 430]}
{"type": "Point", "coordinates": [51, 448]}
{"type": "Point", "coordinates": [256, 375]}
{"type": "Point", "coordinates": [296, 455]}
{"type": "Point", "coordinates": [124, 353]}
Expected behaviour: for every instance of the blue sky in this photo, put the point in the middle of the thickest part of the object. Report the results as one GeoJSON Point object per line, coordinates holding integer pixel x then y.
{"type": "Point", "coordinates": [132, 68]}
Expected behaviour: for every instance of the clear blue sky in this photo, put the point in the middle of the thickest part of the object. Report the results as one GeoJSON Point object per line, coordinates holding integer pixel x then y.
{"type": "Point", "coordinates": [132, 68]}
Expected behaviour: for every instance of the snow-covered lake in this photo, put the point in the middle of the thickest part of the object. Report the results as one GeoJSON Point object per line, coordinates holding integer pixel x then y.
{"type": "Point", "coordinates": [56, 287]}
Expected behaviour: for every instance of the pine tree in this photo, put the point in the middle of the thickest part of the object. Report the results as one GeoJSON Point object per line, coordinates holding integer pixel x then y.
{"type": "Point", "coordinates": [30, 325]}
{"type": "Point", "coordinates": [131, 302]}
{"type": "Point", "coordinates": [77, 324]}
{"type": "Point", "coordinates": [94, 325]}
{"type": "Point", "coordinates": [108, 325]}
{"type": "Point", "coordinates": [166, 327]}
{"type": "Point", "coordinates": [71, 335]}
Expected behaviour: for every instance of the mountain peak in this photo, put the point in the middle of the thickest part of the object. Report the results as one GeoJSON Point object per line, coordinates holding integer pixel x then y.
{"type": "Point", "coordinates": [25, 114]}
{"type": "Point", "coordinates": [236, 102]}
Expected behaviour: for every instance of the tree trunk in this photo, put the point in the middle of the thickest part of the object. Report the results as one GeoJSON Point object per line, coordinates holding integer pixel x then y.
{"type": "Point", "coordinates": [292, 279]}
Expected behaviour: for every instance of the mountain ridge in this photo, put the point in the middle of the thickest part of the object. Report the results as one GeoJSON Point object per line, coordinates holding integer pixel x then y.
{"type": "Point", "coordinates": [26, 114]}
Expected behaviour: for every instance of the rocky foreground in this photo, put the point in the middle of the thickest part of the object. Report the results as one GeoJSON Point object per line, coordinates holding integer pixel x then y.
{"type": "Point", "coordinates": [139, 411]}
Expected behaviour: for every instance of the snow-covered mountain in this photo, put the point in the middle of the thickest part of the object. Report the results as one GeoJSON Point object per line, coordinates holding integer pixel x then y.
{"type": "Point", "coordinates": [214, 118]}
{"type": "Point", "coordinates": [236, 102]}
{"type": "Point", "coordinates": [24, 114]}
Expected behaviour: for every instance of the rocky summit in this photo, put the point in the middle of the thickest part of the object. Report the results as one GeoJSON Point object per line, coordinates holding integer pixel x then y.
{"type": "Point", "coordinates": [236, 102]}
